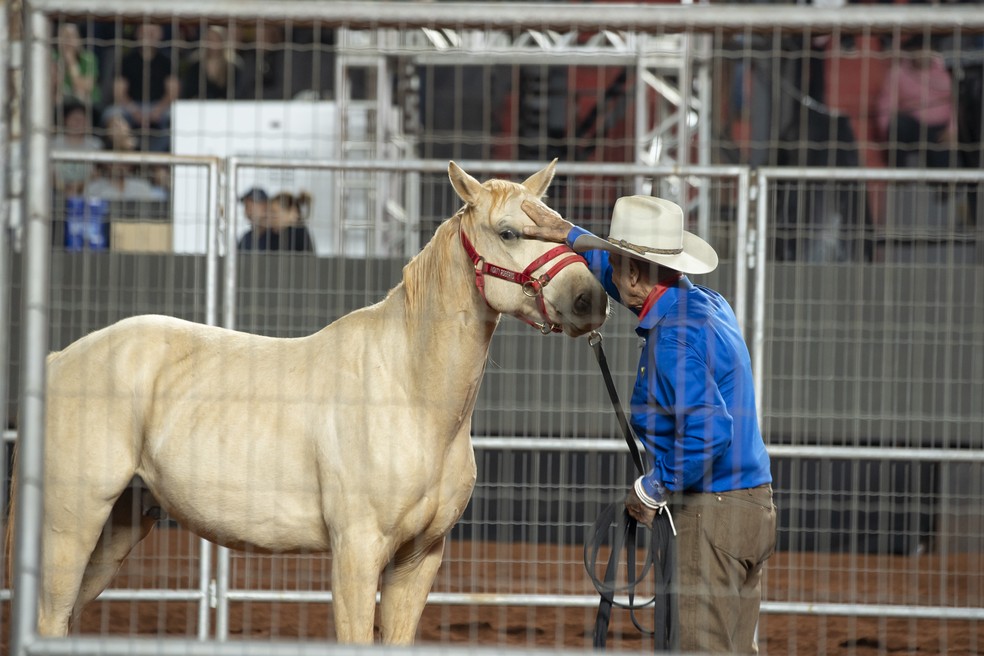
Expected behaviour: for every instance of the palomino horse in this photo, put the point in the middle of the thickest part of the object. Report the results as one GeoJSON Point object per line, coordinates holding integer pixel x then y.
{"type": "Point", "coordinates": [354, 440]}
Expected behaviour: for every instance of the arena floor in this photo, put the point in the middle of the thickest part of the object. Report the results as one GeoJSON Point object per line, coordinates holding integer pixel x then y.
{"type": "Point", "coordinates": [517, 567]}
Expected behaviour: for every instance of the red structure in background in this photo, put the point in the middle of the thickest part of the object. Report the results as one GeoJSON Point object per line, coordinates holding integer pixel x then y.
{"type": "Point", "coordinates": [853, 80]}
{"type": "Point", "coordinates": [599, 126]}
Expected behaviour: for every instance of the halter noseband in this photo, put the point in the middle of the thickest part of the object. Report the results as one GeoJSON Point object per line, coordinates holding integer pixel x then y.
{"type": "Point", "coordinates": [532, 287]}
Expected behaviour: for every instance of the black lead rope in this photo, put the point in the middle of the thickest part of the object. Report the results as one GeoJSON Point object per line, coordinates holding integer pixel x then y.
{"type": "Point", "coordinates": [624, 535]}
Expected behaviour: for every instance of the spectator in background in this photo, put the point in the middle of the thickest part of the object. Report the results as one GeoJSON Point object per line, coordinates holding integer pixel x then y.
{"type": "Point", "coordinates": [76, 71]}
{"type": "Point", "coordinates": [120, 180]}
{"type": "Point", "coordinates": [264, 60]}
{"type": "Point", "coordinates": [282, 227]}
{"type": "Point", "coordinates": [145, 88]}
{"type": "Point", "coordinates": [70, 178]}
{"type": "Point", "coordinates": [214, 71]}
{"type": "Point", "coordinates": [915, 108]}
{"type": "Point", "coordinates": [255, 206]}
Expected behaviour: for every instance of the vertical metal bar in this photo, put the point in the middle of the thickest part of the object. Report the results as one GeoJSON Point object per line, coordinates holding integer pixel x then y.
{"type": "Point", "coordinates": [683, 113]}
{"type": "Point", "coordinates": [5, 277]}
{"type": "Point", "coordinates": [704, 119]}
{"type": "Point", "coordinates": [34, 336]}
{"type": "Point", "coordinates": [211, 318]}
{"type": "Point", "coordinates": [741, 251]}
{"type": "Point", "coordinates": [230, 214]}
{"type": "Point", "coordinates": [222, 595]}
{"type": "Point", "coordinates": [228, 321]}
{"type": "Point", "coordinates": [758, 299]}
{"type": "Point", "coordinates": [384, 101]}
{"type": "Point", "coordinates": [204, 588]}
{"type": "Point", "coordinates": [411, 227]}
{"type": "Point", "coordinates": [641, 117]}
{"type": "Point", "coordinates": [343, 91]}
{"type": "Point", "coordinates": [212, 247]}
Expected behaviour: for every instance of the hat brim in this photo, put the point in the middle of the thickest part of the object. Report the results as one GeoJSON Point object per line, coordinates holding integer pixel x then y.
{"type": "Point", "coordinates": [697, 256]}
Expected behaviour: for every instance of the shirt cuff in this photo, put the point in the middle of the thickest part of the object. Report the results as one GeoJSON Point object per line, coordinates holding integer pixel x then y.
{"type": "Point", "coordinates": [574, 233]}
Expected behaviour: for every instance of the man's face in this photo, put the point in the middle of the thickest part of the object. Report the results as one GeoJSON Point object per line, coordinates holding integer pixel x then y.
{"type": "Point", "coordinates": [255, 210]}
{"type": "Point", "coordinates": [75, 122]}
{"type": "Point", "coordinates": [628, 281]}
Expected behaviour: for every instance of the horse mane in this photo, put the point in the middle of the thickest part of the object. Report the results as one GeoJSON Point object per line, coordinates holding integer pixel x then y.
{"type": "Point", "coordinates": [431, 271]}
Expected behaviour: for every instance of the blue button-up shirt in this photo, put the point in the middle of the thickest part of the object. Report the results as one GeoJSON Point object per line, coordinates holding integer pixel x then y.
{"type": "Point", "coordinates": [693, 404]}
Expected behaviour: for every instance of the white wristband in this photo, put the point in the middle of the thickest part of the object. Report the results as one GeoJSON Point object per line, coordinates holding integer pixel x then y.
{"type": "Point", "coordinates": [647, 500]}
{"type": "Point", "coordinates": [651, 503]}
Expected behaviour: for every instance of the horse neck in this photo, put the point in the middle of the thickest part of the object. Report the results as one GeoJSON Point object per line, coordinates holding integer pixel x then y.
{"type": "Point", "coordinates": [446, 317]}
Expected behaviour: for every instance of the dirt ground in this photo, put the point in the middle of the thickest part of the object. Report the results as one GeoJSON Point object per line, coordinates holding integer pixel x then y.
{"type": "Point", "coordinates": [169, 560]}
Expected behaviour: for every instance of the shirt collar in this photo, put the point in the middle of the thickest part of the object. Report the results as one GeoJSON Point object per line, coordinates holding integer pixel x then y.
{"type": "Point", "coordinates": [653, 310]}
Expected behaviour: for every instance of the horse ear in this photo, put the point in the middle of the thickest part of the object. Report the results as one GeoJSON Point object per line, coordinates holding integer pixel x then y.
{"type": "Point", "coordinates": [468, 188]}
{"type": "Point", "coordinates": [538, 182]}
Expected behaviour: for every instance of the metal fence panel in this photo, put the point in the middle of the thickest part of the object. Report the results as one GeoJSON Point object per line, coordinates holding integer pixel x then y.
{"type": "Point", "coordinates": [858, 282]}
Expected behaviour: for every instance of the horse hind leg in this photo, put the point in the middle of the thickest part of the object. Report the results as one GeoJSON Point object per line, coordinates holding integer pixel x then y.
{"type": "Point", "coordinates": [127, 525]}
{"type": "Point", "coordinates": [87, 527]}
{"type": "Point", "coordinates": [70, 533]}
{"type": "Point", "coordinates": [406, 584]}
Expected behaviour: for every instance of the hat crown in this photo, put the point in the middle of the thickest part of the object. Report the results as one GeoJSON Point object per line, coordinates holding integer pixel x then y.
{"type": "Point", "coordinates": [650, 228]}
{"type": "Point", "coordinates": [648, 223]}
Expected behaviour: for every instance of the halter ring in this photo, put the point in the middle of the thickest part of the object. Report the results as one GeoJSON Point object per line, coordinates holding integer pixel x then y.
{"type": "Point", "coordinates": [532, 288]}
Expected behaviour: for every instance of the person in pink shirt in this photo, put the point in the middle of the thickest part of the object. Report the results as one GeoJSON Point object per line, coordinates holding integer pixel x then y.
{"type": "Point", "coordinates": [915, 108]}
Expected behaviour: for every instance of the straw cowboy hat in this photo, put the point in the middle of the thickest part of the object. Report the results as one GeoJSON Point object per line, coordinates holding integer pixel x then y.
{"type": "Point", "coordinates": [649, 228]}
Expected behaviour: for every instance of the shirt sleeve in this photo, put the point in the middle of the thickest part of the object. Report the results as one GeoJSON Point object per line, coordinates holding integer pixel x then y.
{"type": "Point", "coordinates": [704, 428]}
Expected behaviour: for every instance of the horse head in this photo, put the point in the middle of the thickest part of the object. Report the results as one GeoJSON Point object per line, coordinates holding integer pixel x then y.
{"type": "Point", "coordinates": [544, 284]}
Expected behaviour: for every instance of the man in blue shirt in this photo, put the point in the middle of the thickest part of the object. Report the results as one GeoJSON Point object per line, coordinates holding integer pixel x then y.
{"type": "Point", "coordinates": [693, 408]}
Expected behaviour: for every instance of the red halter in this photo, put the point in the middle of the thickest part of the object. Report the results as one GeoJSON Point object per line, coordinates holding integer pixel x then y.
{"type": "Point", "coordinates": [532, 287]}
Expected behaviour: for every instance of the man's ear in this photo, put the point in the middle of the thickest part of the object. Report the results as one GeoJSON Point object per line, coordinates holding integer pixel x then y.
{"type": "Point", "coordinates": [635, 270]}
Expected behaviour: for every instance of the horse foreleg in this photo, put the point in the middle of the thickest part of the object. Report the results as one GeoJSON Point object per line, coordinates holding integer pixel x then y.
{"type": "Point", "coordinates": [355, 566]}
{"type": "Point", "coordinates": [124, 529]}
{"type": "Point", "coordinates": [406, 584]}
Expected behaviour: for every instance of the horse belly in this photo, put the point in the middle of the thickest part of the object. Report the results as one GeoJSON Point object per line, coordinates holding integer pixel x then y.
{"type": "Point", "coordinates": [239, 488]}
{"type": "Point", "coordinates": [261, 516]}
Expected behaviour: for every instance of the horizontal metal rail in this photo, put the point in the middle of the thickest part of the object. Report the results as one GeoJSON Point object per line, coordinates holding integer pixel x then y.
{"type": "Point", "coordinates": [552, 601]}
{"type": "Point", "coordinates": [600, 445]}
{"type": "Point", "coordinates": [513, 15]}
{"type": "Point", "coordinates": [78, 646]}
{"type": "Point", "coordinates": [589, 601]}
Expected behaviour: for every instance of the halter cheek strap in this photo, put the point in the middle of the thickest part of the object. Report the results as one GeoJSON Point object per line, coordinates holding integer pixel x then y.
{"type": "Point", "coordinates": [532, 287]}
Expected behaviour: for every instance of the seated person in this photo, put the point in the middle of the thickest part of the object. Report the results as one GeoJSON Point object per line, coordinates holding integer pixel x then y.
{"type": "Point", "coordinates": [265, 63]}
{"type": "Point", "coordinates": [120, 181]}
{"type": "Point", "coordinates": [117, 182]}
{"type": "Point", "coordinates": [76, 70]}
{"type": "Point", "coordinates": [915, 108]}
{"type": "Point", "coordinates": [214, 71]}
{"type": "Point", "coordinates": [145, 88]}
{"type": "Point", "coordinates": [281, 227]}
{"type": "Point", "coordinates": [70, 177]}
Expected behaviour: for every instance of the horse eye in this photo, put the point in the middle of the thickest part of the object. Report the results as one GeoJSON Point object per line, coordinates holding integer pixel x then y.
{"type": "Point", "coordinates": [508, 234]}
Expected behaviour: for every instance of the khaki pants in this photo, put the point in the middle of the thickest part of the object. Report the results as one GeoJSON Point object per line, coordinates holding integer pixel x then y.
{"type": "Point", "coordinates": [723, 540]}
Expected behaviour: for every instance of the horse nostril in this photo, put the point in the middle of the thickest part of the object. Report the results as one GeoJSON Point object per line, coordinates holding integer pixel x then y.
{"type": "Point", "coordinates": [582, 304]}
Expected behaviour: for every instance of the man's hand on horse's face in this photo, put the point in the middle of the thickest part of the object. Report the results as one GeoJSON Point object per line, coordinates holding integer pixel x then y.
{"type": "Point", "coordinates": [638, 510]}
{"type": "Point", "coordinates": [550, 226]}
